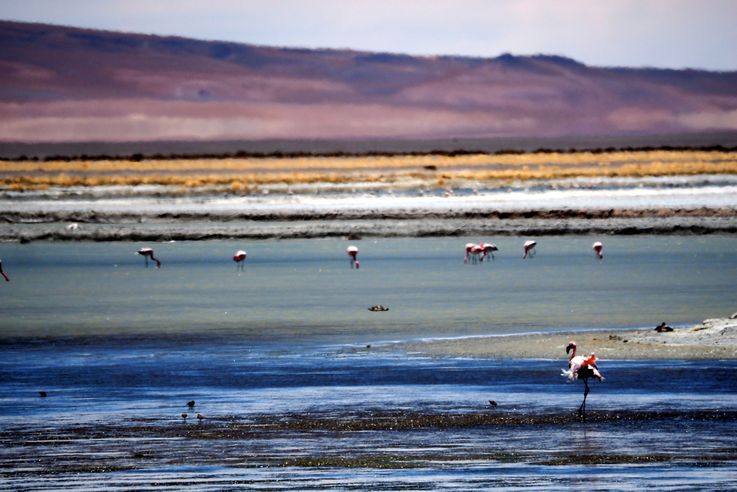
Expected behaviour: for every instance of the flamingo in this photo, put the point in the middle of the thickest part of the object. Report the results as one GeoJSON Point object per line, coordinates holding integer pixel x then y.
{"type": "Point", "coordinates": [598, 247]}
{"type": "Point", "coordinates": [2, 272]}
{"type": "Point", "coordinates": [240, 258]}
{"type": "Point", "coordinates": [149, 253]}
{"type": "Point", "coordinates": [489, 249]}
{"type": "Point", "coordinates": [580, 367]}
{"type": "Point", "coordinates": [529, 248]}
{"type": "Point", "coordinates": [476, 251]}
{"type": "Point", "coordinates": [469, 247]}
{"type": "Point", "coordinates": [352, 251]}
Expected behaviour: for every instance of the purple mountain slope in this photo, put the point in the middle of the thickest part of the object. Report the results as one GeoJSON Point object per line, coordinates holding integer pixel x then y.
{"type": "Point", "coordinates": [64, 84]}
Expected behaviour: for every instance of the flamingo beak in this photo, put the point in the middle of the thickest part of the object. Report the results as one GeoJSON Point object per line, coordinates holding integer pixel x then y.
{"type": "Point", "coordinates": [570, 347]}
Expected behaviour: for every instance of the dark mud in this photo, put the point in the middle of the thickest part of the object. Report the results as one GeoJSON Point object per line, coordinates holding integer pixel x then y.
{"type": "Point", "coordinates": [304, 440]}
{"type": "Point", "coordinates": [411, 214]}
{"type": "Point", "coordinates": [233, 427]}
{"type": "Point", "coordinates": [96, 226]}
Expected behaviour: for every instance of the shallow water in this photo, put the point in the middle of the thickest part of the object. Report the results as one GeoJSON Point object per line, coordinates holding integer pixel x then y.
{"type": "Point", "coordinates": [304, 290]}
{"type": "Point", "coordinates": [277, 361]}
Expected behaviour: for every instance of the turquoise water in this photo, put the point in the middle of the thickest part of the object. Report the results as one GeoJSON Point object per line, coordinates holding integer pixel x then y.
{"type": "Point", "coordinates": [276, 360]}
{"type": "Point", "coordinates": [304, 289]}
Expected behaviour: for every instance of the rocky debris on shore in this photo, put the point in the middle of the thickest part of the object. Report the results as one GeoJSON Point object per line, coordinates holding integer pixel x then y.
{"type": "Point", "coordinates": [711, 339]}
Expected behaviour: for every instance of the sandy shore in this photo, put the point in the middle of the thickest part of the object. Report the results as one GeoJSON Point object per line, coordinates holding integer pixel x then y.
{"type": "Point", "coordinates": [712, 339]}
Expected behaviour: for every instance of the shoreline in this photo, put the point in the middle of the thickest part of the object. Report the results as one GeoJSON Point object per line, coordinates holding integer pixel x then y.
{"type": "Point", "coordinates": [712, 339]}
{"type": "Point", "coordinates": [708, 140]}
{"type": "Point", "coordinates": [165, 231]}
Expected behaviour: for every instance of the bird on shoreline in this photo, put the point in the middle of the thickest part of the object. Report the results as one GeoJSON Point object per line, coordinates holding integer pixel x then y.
{"type": "Point", "coordinates": [240, 259]}
{"type": "Point", "coordinates": [583, 368]}
{"type": "Point", "coordinates": [663, 328]}
{"type": "Point", "coordinates": [149, 253]}
{"type": "Point", "coordinates": [190, 403]}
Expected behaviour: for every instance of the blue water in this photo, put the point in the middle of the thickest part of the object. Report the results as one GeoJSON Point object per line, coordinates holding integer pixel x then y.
{"type": "Point", "coordinates": [305, 291]}
{"type": "Point", "coordinates": [120, 349]}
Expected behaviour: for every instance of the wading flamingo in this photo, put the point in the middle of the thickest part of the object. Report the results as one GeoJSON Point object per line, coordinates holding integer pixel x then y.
{"type": "Point", "coordinates": [469, 247]}
{"type": "Point", "coordinates": [240, 259]}
{"type": "Point", "coordinates": [583, 368]}
{"type": "Point", "coordinates": [489, 249]}
{"type": "Point", "coordinates": [2, 272]}
{"type": "Point", "coordinates": [598, 247]}
{"type": "Point", "coordinates": [149, 253]}
{"type": "Point", "coordinates": [352, 252]}
{"type": "Point", "coordinates": [529, 248]}
{"type": "Point", "coordinates": [476, 252]}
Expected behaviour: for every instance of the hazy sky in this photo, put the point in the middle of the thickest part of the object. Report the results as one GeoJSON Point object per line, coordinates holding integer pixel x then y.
{"type": "Point", "coordinates": [658, 33]}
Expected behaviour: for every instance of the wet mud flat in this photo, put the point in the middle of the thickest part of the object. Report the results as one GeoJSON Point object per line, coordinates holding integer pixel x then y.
{"type": "Point", "coordinates": [290, 448]}
{"type": "Point", "coordinates": [306, 225]}
{"type": "Point", "coordinates": [701, 204]}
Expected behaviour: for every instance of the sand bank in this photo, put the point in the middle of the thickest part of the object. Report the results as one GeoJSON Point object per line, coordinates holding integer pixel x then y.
{"type": "Point", "coordinates": [711, 339]}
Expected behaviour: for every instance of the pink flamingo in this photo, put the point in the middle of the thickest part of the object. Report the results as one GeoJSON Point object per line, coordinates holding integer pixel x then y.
{"type": "Point", "coordinates": [469, 247]}
{"type": "Point", "coordinates": [352, 252]}
{"type": "Point", "coordinates": [149, 253]}
{"type": "Point", "coordinates": [476, 252]}
{"type": "Point", "coordinates": [598, 247]}
{"type": "Point", "coordinates": [240, 258]}
{"type": "Point", "coordinates": [2, 272]}
{"type": "Point", "coordinates": [529, 248]}
{"type": "Point", "coordinates": [583, 368]}
{"type": "Point", "coordinates": [489, 249]}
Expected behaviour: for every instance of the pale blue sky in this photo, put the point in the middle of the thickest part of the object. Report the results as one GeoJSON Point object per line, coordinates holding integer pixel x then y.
{"type": "Point", "coordinates": [657, 33]}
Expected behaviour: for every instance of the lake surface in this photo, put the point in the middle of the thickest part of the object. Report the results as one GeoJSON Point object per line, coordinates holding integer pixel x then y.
{"type": "Point", "coordinates": [277, 361]}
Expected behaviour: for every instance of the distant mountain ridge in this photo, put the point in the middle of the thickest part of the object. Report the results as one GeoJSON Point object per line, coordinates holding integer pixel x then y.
{"type": "Point", "coordinates": [63, 84]}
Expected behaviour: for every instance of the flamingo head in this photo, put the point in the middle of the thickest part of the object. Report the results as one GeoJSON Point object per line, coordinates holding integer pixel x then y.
{"type": "Point", "coordinates": [571, 347]}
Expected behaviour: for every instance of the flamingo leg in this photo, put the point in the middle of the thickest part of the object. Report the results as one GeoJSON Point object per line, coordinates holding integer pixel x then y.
{"type": "Point", "coordinates": [582, 408]}
{"type": "Point", "coordinates": [146, 259]}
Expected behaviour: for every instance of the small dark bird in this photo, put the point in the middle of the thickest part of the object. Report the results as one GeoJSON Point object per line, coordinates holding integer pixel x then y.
{"type": "Point", "coordinates": [42, 394]}
{"type": "Point", "coordinates": [663, 328]}
{"type": "Point", "coordinates": [492, 403]}
{"type": "Point", "coordinates": [184, 416]}
{"type": "Point", "coordinates": [200, 417]}
{"type": "Point", "coordinates": [190, 404]}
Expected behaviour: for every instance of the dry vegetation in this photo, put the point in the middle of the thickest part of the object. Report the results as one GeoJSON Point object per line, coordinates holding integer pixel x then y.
{"type": "Point", "coordinates": [243, 174]}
